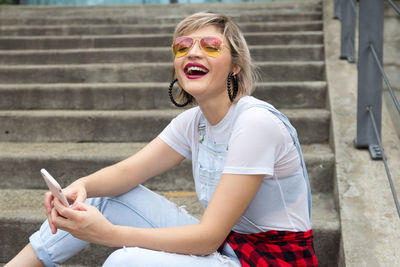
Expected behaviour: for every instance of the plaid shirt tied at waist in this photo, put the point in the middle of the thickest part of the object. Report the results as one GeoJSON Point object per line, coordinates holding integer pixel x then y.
{"type": "Point", "coordinates": [274, 248]}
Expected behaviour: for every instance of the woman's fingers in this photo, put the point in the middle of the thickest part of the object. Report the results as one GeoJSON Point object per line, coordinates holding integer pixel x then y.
{"type": "Point", "coordinates": [63, 210]}
{"type": "Point", "coordinates": [71, 219]}
{"type": "Point", "coordinates": [64, 217]}
{"type": "Point", "coordinates": [48, 198]}
{"type": "Point", "coordinates": [82, 220]}
{"type": "Point", "coordinates": [75, 192]}
{"type": "Point", "coordinates": [80, 198]}
{"type": "Point", "coordinates": [48, 203]}
{"type": "Point", "coordinates": [60, 221]}
{"type": "Point", "coordinates": [55, 210]}
{"type": "Point", "coordinates": [81, 206]}
{"type": "Point", "coordinates": [51, 224]}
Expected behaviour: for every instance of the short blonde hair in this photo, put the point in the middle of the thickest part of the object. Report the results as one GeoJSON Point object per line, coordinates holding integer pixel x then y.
{"type": "Point", "coordinates": [240, 53]}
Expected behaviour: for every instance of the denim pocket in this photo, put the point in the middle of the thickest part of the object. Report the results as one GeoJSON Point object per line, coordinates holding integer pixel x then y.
{"type": "Point", "coordinates": [209, 167]}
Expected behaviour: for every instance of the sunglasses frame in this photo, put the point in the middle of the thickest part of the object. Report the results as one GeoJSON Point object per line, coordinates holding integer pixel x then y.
{"type": "Point", "coordinates": [198, 39]}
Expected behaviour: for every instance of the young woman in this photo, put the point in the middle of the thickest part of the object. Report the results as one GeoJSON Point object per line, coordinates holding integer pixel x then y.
{"type": "Point", "coordinates": [247, 164]}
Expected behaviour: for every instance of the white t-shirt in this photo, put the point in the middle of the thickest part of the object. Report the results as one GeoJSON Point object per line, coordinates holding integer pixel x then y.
{"type": "Point", "coordinates": [258, 143]}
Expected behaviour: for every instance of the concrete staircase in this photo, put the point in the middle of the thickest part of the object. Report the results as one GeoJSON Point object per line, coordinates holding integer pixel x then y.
{"type": "Point", "coordinates": [84, 87]}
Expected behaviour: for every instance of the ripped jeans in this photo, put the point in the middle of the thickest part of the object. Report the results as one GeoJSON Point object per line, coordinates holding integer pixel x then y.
{"type": "Point", "coordinates": [139, 207]}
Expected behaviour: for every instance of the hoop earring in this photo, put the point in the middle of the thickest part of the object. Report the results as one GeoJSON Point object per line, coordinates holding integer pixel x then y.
{"type": "Point", "coordinates": [172, 97]}
{"type": "Point", "coordinates": [232, 94]}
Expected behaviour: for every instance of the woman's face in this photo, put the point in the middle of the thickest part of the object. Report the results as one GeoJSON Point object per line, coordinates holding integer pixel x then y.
{"type": "Point", "coordinates": [203, 76]}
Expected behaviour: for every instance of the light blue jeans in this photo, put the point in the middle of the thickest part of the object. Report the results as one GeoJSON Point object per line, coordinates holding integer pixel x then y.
{"type": "Point", "coordinates": [139, 207]}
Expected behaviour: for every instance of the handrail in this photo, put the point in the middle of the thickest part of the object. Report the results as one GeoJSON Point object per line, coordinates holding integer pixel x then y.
{"type": "Point", "coordinates": [343, 13]}
{"type": "Point", "coordinates": [370, 75]}
{"type": "Point", "coordinates": [394, 98]}
{"type": "Point", "coordinates": [346, 11]}
{"type": "Point", "coordinates": [353, 5]}
{"type": "Point", "coordinates": [395, 7]}
{"type": "Point", "coordinates": [370, 24]}
{"type": "Point", "coordinates": [396, 201]}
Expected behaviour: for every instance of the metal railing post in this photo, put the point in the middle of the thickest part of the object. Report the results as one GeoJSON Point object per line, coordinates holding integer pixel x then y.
{"type": "Point", "coordinates": [348, 18]}
{"type": "Point", "coordinates": [369, 76]}
{"type": "Point", "coordinates": [338, 12]}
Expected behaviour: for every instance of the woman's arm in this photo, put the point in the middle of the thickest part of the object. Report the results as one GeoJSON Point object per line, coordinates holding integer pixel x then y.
{"type": "Point", "coordinates": [155, 158]}
{"type": "Point", "coordinates": [231, 198]}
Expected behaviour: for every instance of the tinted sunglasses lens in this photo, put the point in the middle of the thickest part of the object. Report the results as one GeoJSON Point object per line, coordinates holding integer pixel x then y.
{"type": "Point", "coordinates": [182, 46]}
{"type": "Point", "coordinates": [211, 45]}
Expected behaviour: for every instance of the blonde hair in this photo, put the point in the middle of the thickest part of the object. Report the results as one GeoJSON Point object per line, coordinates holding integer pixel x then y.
{"type": "Point", "coordinates": [240, 53]}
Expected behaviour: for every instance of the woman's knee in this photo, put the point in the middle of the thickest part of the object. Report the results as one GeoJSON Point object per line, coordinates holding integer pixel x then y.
{"type": "Point", "coordinates": [134, 256]}
{"type": "Point", "coordinates": [119, 257]}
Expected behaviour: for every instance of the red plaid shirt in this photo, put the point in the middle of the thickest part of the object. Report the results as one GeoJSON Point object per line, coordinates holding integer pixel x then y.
{"type": "Point", "coordinates": [274, 248]}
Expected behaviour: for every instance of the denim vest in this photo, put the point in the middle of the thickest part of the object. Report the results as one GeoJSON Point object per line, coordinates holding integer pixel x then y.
{"type": "Point", "coordinates": [211, 159]}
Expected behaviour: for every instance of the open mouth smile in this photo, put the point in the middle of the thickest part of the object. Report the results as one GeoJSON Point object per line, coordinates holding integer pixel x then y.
{"type": "Point", "coordinates": [195, 70]}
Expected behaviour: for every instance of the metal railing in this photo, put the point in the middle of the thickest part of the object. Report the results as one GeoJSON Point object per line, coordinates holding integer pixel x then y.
{"type": "Point", "coordinates": [370, 72]}
{"type": "Point", "coordinates": [346, 11]}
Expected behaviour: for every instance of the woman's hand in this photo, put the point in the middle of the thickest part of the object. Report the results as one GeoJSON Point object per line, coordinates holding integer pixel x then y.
{"type": "Point", "coordinates": [75, 193]}
{"type": "Point", "coordinates": [83, 221]}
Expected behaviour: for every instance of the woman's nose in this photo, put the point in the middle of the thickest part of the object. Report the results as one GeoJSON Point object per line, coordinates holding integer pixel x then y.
{"type": "Point", "coordinates": [195, 50]}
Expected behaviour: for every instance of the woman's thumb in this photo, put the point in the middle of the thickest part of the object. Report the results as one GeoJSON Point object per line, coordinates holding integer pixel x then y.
{"type": "Point", "coordinates": [79, 206]}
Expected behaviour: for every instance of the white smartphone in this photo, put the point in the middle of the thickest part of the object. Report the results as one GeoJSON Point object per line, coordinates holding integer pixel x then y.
{"type": "Point", "coordinates": [54, 187]}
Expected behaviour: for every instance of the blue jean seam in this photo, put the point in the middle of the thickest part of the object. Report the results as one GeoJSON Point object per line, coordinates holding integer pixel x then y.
{"type": "Point", "coordinates": [130, 208]}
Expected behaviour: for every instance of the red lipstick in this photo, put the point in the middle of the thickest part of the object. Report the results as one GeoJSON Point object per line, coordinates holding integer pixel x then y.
{"type": "Point", "coordinates": [195, 70]}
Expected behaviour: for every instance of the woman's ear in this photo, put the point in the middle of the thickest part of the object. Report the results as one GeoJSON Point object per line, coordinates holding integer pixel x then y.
{"type": "Point", "coordinates": [236, 70]}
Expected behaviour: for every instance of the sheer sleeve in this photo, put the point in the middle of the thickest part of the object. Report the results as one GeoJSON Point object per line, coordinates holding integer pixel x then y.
{"type": "Point", "coordinates": [179, 131]}
{"type": "Point", "coordinates": [257, 142]}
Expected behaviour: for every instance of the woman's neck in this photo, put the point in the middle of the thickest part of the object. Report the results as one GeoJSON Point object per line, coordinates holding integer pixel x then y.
{"type": "Point", "coordinates": [215, 111]}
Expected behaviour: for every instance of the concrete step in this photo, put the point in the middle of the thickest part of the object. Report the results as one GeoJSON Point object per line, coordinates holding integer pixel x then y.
{"type": "Point", "coordinates": [80, 89]}
{"type": "Point", "coordinates": [151, 54]}
{"type": "Point", "coordinates": [173, 19]}
{"type": "Point", "coordinates": [147, 40]}
{"type": "Point", "coordinates": [21, 214]}
{"type": "Point", "coordinates": [125, 126]}
{"type": "Point", "coordinates": [145, 72]}
{"type": "Point", "coordinates": [57, 30]}
{"type": "Point", "coordinates": [20, 164]}
{"type": "Point", "coordinates": [165, 10]}
{"type": "Point", "coordinates": [124, 96]}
